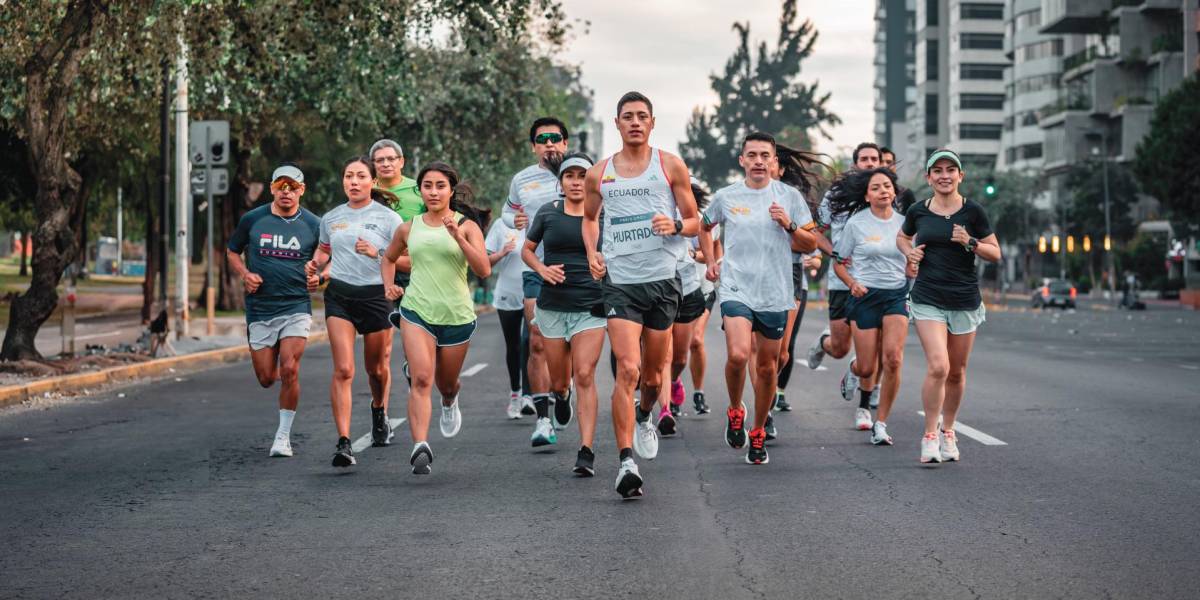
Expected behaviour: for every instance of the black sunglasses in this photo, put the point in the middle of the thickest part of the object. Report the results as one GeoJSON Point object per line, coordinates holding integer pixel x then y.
{"type": "Point", "coordinates": [553, 138]}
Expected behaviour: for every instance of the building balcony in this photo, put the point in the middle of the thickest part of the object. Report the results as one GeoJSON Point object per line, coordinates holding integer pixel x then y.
{"type": "Point", "coordinates": [1084, 57]}
{"type": "Point", "coordinates": [1073, 16]}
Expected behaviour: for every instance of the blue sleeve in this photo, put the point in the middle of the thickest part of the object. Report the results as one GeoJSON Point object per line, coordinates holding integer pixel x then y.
{"type": "Point", "coordinates": [241, 236]}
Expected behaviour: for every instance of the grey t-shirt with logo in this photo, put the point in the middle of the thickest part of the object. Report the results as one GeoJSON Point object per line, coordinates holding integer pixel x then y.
{"type": "Point", "coordinates": [340, 230]}
{"type": "Point", "coordinates": [870, 242]}
{"type": "Point", "coordinates": [276, 249]}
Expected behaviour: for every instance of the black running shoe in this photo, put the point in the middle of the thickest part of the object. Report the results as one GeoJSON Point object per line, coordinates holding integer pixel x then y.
{"type": "Point", "coordinates": [676, 410]}
{"type": "Point", "coordinates": [757, 454]}
{"type": "Point", "coordinates": [344, 456]}
{"type": "Point", "coordinates": [700, 404]}
{"type": "Point", "coordinates": [666, 424]}
{"type": "Point", "coordinates": [421, 459]}
{"type": "Point", "coordinates": [770, 428]}
{"type": "Point", "coordinates": [381, 429]}
{"type": "Point", "coordinates": [562, 410]}
{"type": "Point", "coordinates": [584, 461]}
{"type": "Point", "coordinates": [781, 403]}
{"type": "Point", "coordinates": [735, 430]}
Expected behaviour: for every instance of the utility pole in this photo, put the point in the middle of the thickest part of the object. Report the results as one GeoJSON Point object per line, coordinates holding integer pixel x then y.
{"type": "Point", "coordinates": [183, 196]}
{"type": "Point", "coordinates": [1108, 254]}
{"type": "Point", "coordinates": [120, 232]}
{"type": "Point", "coordinates": [164, 150]}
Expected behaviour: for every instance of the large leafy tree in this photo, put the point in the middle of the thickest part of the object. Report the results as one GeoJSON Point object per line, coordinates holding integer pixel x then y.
{"type": "Point", "coordinates": [759, 90]}
{"type": "Point", "coordinates": [1163, 164]}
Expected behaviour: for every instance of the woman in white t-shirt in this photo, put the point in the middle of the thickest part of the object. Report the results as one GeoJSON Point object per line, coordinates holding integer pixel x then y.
{"type": "Point", "coordinates": [502, 245]}
{"type": "Point", "coordinates": [869, 263]}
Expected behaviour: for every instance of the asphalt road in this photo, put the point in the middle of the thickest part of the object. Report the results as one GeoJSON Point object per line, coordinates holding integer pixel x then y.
{"type": "Point", "coordinates": [168, 491]}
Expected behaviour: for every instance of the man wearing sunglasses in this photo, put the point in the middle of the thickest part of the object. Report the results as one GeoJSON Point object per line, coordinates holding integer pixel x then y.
{"type": "Point", "coordinates": [532, 188]}
{"type": "Point", "coordinates": [278, 239]}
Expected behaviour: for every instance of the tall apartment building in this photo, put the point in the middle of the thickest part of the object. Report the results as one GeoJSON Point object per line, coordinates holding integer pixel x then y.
{"type": "Point", "coordinates": [1122, 57]}
{"type": "Point", "coordinates": [960, 67]}
{"type": "Point", "coordinates": [895, 71]}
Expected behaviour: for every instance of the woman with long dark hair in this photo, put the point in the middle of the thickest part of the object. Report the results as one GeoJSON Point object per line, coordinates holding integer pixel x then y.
{"type": "Point", "coordinates": [868, 261]}
{"type": "Point", "coordinates": [943, 235]}
{"type": "Point", "coordinates": [356, 300]}
{"type": "Point", "coordinates": [437, 315]}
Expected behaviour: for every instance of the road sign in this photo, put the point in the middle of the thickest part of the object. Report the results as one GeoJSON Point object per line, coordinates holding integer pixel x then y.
{"type": "Point", "coordinates": [208, 143]}
{"type": "Point", "coordinates": [220, 181]}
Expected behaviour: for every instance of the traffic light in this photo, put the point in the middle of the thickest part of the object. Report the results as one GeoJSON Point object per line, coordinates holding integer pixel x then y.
{"type": "Point", "coordinates": [989, 188]}
{"type": "Point", "coordinates": [217, 153]}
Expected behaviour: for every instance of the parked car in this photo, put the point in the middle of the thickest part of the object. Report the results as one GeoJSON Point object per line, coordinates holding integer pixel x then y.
{"type": "Point", "coordinates": [1055, 292]}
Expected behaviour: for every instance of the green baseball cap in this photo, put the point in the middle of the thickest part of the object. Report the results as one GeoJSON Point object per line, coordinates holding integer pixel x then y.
{"type": "Point", "coordinates": [939, 154]}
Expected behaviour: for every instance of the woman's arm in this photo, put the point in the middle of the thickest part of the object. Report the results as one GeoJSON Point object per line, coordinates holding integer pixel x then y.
{"type": "Point", "coordinates": [471, 241]}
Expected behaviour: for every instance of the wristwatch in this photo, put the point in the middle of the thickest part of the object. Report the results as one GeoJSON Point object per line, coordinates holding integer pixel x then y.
{"type": "Point", "coordinates": [972, 244]}
{"type": "Point", "coordinates": [678, 226]}
{"type": "Point", "coordinates": [792, 227]}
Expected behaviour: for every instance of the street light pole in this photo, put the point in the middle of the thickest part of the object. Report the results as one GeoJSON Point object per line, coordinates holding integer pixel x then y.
{"type": "Point", "coordinates": [1112, 292]}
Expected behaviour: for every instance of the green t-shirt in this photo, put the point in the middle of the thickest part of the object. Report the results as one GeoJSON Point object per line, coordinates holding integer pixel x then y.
{"type": "Point", "coordinates": [410, 204]}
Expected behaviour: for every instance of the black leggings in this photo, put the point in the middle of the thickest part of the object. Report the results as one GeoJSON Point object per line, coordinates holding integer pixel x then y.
{"type": "Point", "coordinates": [786, 372]}
{"type": "Point", "coordinates": [510, 324]}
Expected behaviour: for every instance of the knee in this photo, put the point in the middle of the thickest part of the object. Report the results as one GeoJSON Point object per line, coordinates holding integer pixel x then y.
{"type": "Point", "coordinates": [380, 372]}
{"type": "Point", "coordinates": [628, 370]}
{"type": "Point", "coordinates": [766, 368]}
{"type": "Point", "coordinates": [265, 379]}
{"type": "Point", "coordinates": [738, 358]}
{"type": "Point", "coordinates": [448, 390]}
{"type": "Point", "coordinates": [289, 372]}
{"type": "Point", "coordinates": [892, 361]}
{"type": "Point", "coordinates": [535, 345]}
{"type": "Point", "coordinates": [343, 372]}
{"type": "Point", "coordinates": [585, 374]}
{"type": "Point", "coordinates": [838, 348]}
{"type": "Point", "coordinates": [956, 376]}
{"type": "Point", "coordinates": [697, 344]}
{"type": "Point", "coordinates": [937, 369]}
{"type": "Point", "coordinates": [422, 381]}
{"type": "Point", "coordinates": [864, 369]}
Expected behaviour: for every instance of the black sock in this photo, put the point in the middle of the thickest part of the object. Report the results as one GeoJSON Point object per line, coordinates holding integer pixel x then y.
{"type": "Point", "coordinates": [642, 415]}
{"type": "Point", "coordinates": [586, 450]}
{"type": "Point", "coordinates": [864, 398]}
{"type": "Point", "coordinates": [626, 453]}
{"type": "Point", "coordinates": [347, 440]}
{"type": "Point", "coordinates": [541, 403]}
{"type": "Point", "coordinates": [557, 397]}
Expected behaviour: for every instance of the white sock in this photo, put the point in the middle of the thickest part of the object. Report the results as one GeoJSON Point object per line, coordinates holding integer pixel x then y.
{"type": "Point", "coordinates": [285, 421]}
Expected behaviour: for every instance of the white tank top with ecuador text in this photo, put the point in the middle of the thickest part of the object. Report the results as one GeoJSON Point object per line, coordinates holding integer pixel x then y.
{"type": "Point", "coordinates": [632, 252]}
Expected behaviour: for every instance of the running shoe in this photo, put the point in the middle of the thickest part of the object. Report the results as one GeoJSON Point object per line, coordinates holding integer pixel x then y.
{"type": "Point", "coordinates": [816, 352]}
{"type": "Point", "coordinates": [666, 423]}
{"type": "Point", "coordinates": [929, 449]}
{"type": "Point", "coordinates": [699, 403]}
{"type": "Point", "coordinates": [677, 395]}
{"type": "Point", "coordinates": [451, 420]}
{"type": "Point", "coordinates": [862, 419]}
{"type": "Point", "coordinates": [543, 434]}
{"type": "Point", "coordinates": [527, 407]}
{"type": "Point", "coordinates": [562, 411]}
{"type": "Point", "coordinates": [584, 461]}
{"type": "Point", "coordinates": [421, 459]}
{"type": "Point", "coordinates": [629, 481]}
{"type": "Point", "coordinates": [757, 454]}
{"type": "Point", "coordinates": [645, 440]}
{"type": "Point", "coordinates": [849, 385]}
{"type": "Point", "coordinates": [781, 403]}
{"type": "Point", "coordinates": [407, 376]}
{"type": "Point", "coordinates": [874, 403]}
{"type": "Point", "coordinates": [514, 406]}
{"type": "Point", "coordinates": [949, 446]}
{"type": "Point", "coordinates": [381, 429]}
{"type": "Point", "coordinates": [344, 455]}
{"type": "Point", "coordinates": [282, 446]}
{"type": "Point", "coordinates": [735, 429]}
{"type": "Point", "coordinates": [769, 427]}
{"type": "Point", "coordinates": [879, 434]}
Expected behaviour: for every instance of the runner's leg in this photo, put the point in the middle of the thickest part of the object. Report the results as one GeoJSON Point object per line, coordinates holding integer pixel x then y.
{"type": "Point", "coordinates": [448, 366]}
{"type": "Point", "coordinates": [625, 338]}
{"type": "Point", "coordinates": [585, 353]}
{"type": "Point", "coordinates": [895, 329]}
{"type": "Point", "coordinates": [837, 344]}
{"type": "Point", "coordinates": [266, 365]}
{"type": "Point", "coordinates": [291, 349]}
{"type": "Point", "coordinates": [377, 358]}
{"type": "Point", "coordinates": [738, 343]}
{"type": "Point", "coordinates": [766, 365]}
{"type": "Point", "coordinates": [420, 348]}
{"type": "Point", "coordinates": [933, 337]}
{"type": "Point", "coordinates": [510, 326]}
{"type": "Point", "coordinates": [341, 345]}
{"type": "Point", "coordinates": [698, 358]}
{"type": "Point", "coordinates": [959, 351]}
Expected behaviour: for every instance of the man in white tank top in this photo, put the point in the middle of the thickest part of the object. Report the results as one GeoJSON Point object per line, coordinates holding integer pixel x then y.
{"type": "Point", "coordinates": [639, 189]}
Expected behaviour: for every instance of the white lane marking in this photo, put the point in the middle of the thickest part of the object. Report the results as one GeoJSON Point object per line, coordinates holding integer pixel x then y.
{"type": "Point", "coordinates": [473, 369]}
{"type": "Point", "coordinates": [1137, 359]}
{"type": "Point", "coordinates": [92, 336]}
{"type": "Point", "coordinates": [364, 442]}
{"type": "Point", "coordinates": [803, 361]}
{"type": "Point", "coordinates": [971, 432]}
{"type": "Point", "coordinates": [1190, 367]}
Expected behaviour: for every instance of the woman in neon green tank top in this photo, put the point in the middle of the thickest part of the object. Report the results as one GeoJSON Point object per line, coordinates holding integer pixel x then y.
{"type": "Point", "coordinates": [436, 316]}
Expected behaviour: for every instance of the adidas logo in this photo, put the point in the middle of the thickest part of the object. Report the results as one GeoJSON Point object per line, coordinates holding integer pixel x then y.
{"type": "Point", "coordinates": [654, 178]}
{"type": "Point", "coordinates": [612, 312]}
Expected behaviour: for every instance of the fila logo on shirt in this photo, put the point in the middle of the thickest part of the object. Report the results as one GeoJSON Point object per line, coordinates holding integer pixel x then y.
{"type": "Point", "coordinates": [276, 241]}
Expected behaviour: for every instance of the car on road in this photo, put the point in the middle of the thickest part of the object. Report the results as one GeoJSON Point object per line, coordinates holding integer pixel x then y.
{"type": "Point", "coordinates": [1054, 292]}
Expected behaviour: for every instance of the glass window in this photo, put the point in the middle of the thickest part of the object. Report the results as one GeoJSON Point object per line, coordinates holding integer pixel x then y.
{"type": "Point", "coordinates": [979, 131]}
{"type": "Point", "coordinates": [931, 114]}
{"type": "Point", "coordinates": [979, 10]}
{"type": "Point", "coordinates": [981, 71]}
{"type": "Point", "coordinates": [931, 60]}
{"type": "Point", "coordinates": [981, 101]}
{"type": "Point", "coordinates": [931, 13]}
{"type": "Point", "coordinates": [981, 41]}
{"type": "Point", "coordinates": [1029, 18]}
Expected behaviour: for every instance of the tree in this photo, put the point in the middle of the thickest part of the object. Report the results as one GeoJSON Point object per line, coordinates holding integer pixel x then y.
{"type": "Point", "coordinates": [1163, 163]}
{"type": "Point", "coordinates": [1085, 209]}
{"type": "Point", "coordinates": [758, 92]}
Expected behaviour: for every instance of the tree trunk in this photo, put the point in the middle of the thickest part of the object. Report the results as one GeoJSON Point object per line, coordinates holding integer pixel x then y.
{"type": "Point", "coordinates": [152, 257]}
{"type": "Point", "coordinates": [230, 295]}
{"type": "Point", "coordinates": [49, 75]}
{"type": "Point", "coordinates": [24, 256]}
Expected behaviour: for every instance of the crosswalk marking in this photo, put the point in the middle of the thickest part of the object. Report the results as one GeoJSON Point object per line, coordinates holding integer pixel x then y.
{"type": "Point", "coordinates": [363, 442]}
{"type": "Point", "coordinates": [473, 369]}
{"type": "Point", "coordinates": [973, 433]}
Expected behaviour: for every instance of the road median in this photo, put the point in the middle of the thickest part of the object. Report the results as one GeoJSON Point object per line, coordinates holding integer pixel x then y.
{"type": "Point", "coordinates": [77, 382]}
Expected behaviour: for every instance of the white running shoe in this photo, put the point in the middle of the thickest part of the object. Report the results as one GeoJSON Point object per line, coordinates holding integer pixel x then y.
{"type": "Point", "coordinates": [527, 407]}
{"type": "Point", "coordinates": [543, 433]}
{"type": "Point", "coordinates": [629, 481]}
{"type": "Point", "coordinates": [929, 449]}
{"type": "Point", "coordinates": [514, 406]}
{"type": "Point", "coordinates": [451, 420]}
{"type": "Point", "coordinates": [875, 397]}
{"type": "Point", "coordinates": [816, 352]}
{"type": "Point", "coordinates": [862, 419]}
{"type": "Point", "coordinates": [949, 446]}
{"type": "Point", "coordinates": [879, 434]}
{"type": "Point", "coordinates": [282, 446]}
{"type": "Point", "coordinates": [645, 440]}
{"type": "Point", "coordinates": [849, 383]}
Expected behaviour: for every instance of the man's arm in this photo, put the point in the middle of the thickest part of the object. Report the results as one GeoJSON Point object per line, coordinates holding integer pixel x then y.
{"type": "Point", "coordinates": [681, 186]}
{"type": "Point", "coordinates": [591, 219]}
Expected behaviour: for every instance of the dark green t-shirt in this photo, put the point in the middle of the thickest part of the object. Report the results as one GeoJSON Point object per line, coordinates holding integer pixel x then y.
{"type": "Point", "coordinates": [276, 249]}
{"type": "Point", "coordinates": [561, 237]}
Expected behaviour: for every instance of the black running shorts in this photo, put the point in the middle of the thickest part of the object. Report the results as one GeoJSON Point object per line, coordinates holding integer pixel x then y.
{"type": "Point", "coordinates": [365, 306]}
{"type": "Point", "coordinates": [653, 304]}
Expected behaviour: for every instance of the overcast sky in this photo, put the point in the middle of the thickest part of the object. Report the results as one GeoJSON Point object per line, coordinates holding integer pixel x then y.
{"type": "Point", "coordinates": [668, 48]}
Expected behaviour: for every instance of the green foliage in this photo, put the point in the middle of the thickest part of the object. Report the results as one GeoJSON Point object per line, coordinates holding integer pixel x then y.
{"type": "Point", "coordinates": [1085, 212]}
{"type": "Point", "coordinates": [1163, 162]}
{"type": "Point", "coordinates": [758, 91]}
{"type": "Point", "coordinates": [1011, 208]}
{"type": "Point", "coordinates": [1145, 255]}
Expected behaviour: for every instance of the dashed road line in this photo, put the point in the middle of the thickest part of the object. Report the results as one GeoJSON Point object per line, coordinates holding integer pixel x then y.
{"type": "Point", "coordinates": [473, 369]}
{"type": "Point", "coordinates": [363, 442]}
{"type": "Point", "coordinates": [1190, 367]}
{"type": "Point", "coordinates": [973, 433]}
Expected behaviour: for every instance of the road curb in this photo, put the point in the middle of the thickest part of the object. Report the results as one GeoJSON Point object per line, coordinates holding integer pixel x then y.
{"type": "Point", "coordinates": [15, 394]}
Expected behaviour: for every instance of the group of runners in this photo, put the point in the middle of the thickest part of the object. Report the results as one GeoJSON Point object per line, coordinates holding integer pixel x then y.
{"type": "Point", "coordinates": [631, 248]}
